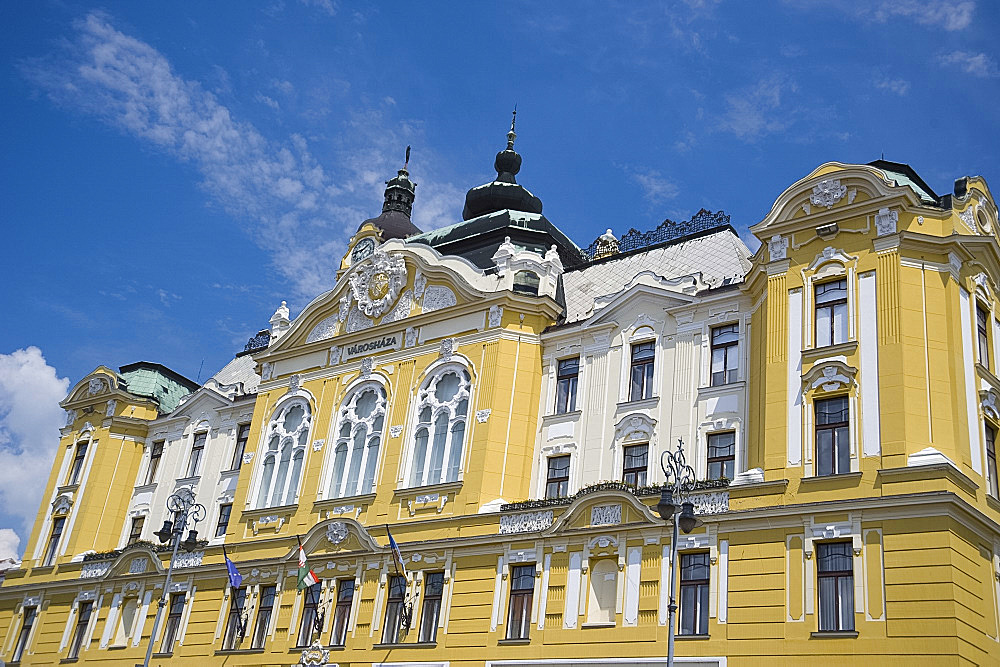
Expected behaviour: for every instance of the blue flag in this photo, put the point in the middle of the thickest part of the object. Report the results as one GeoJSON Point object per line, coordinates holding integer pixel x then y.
{"type": "Point", "coordinates": [235, 578]}
{"type": "Point", "coordinates": [396, 556]}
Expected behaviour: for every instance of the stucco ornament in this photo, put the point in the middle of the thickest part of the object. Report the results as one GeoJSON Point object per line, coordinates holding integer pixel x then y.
{"type": "Point", "coordinates": [314, 656]}
{"type": "Point", "coordinates": [437, 297]}
{"type": "Point", "coordinates": [70, 417]}
{"type": "Point", "coordinates": [885, 221]}
{"type": "Point", "coordinates": [366, 368]}
{"type": "Point", "coordinates": [327, 328]}
{"type": "Point", "coordinates": [777, 247]}
{"type": "Point", "coordinates": [496, 315]}
{"type": "Point", "coordinates": [110, 410]}
{"type": "Point", "coordinates": [828, 192]}
{"type": "Point", "coordinates": [266, 370]}
{"type": "Point", "coordinates": [447, 348]}
{"type": "Point", "coordinates": [602, 515]}
{"type": "Point", "coordinates": [411, 337]}
{"type": "Point", "coordinates": [525, 522]}
{"type": "Point", "coordinates": [336, 532]}
{"type": "Point", "coordinates": [61, 505]}
{"type": "Point", "coordinates": [377, 284]}
{"type": "Point", "coordinates": [969, 219]}
{"type": "Point", "coordinates": [95, 386]}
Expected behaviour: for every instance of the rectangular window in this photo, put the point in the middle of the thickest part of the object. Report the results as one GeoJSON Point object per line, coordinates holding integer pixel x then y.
{"type": "Point", "coordinates": [721, 455]}
{"type": "Point", "coordinates": [135, 532]}
{"type": "Point", "coordinates": [836, 586]}
{"type": "Point", "coordinates": [991, 461]}
{"type": "Point", "coordinates": [234, 624]}
{"type": "Point", "coordinates": [694, 594]}
{"type": "Point", "coordinates": [725, 354]}
{"type": "Point", "coordinates": [223, 525]}
{"type": "Point", "coordinates": [394, 610]}
{"type": "Point", "coordinates": [25, 634]}
{"type": "Point", "coordinates": [309, 614]}
{"type": "Point", "coordinates": [172, 629]}
{"type": "Point", "coordinates": [833, 446]}
{"type": "Point", "coordinates": [557, 477]}
{"type": "Point", "coordinates": [197, 449]}
{"type": "Point", "coordinates": [522, 587]}
{"type": "Point", "coordinates": [982, 336]}
{"type": "Point", "coordinates": [643, 355]}
{"type": "Point", "coordinates": [77, 467]}
{"type": "Point", "coordinates": [566, 382]}
{"type": "Point", "coordinates": [430, 612]}
{"type": "Point", "coordinates": [155, 454]}
{"type": "Point", "coordinates": [242, 435]}
{"type": "Point", "coordinates": [53, 545]}
{"type": "Point", "coordinates": [82, 621]}
{"type": "Point", "coordinates": [634, 464]}
{"type": "Point", "coordinates": [831, 313]}
{"type": "Point", "coordinates": [342, 615]}
{"type": "Point", "coordinates": [264, 610]}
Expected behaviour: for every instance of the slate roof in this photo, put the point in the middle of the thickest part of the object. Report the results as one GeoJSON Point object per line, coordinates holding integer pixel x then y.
{"type": "Point", "coordinates": [240, 369]}
{"type": "Point", "coordinates": [721, 257]}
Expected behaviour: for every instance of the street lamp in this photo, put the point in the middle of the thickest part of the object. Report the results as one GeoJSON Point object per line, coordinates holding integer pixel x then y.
{"type": "Point", "coordinates": [679, 482]}
{"type": "Point", "coordinates": [185, 510]}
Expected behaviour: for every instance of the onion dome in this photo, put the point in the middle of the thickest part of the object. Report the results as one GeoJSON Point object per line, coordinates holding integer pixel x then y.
{"type": "Point", "coordinates": [504, 192]}
{"type": "Point", "coordinates": [398, 205]}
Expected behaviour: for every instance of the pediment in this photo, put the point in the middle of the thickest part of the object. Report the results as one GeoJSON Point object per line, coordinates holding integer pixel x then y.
{"type": "Point", "coordinates": [602, 509]}
{"type": "Point", "coordinates": [649, 294]}
{"type": "Point", "coordinates": [99, 384]}
{"type": "Point", "coordinates": [194, 404]}
{"type": "Point", "coordinates": [336, 536]}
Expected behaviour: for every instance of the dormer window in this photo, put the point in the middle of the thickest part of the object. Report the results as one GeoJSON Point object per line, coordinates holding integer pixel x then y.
{"type": "Point", "coordinates": [831, 312]}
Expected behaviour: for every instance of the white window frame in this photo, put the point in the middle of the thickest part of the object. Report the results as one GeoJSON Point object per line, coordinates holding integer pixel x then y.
{"type": "Point", "coordinates": [277, 415]}
{"type": "Point", "coordinates": [425, 398]}
{"type": "Point", "coordinates": [345, 411]}
{"type": "Point", "coordinates": [830, 264]}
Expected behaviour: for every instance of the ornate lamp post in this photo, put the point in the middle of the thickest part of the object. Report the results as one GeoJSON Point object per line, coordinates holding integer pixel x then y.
{"type": "Point", "coordinates": [679, 482]}
{"type": "Point", "coordinates": [185, 511]}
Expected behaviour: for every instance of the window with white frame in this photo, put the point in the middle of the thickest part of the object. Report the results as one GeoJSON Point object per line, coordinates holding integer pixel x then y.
{"type": "Point", "coordinates": [155, 454]}
{"type": "Point", "coordinates": [635, 462]}
{"type": "Point", "coordinates": [442, 409]}
{"type": "Point", "coordinates": [833, 441]}
{"type": "Point", "coordinates": [567, 375]}
{"type": "Point", "coordinates": [84, 612]}
{"type": "Point", "coordinates": [721, 455]}
{"type": "Point", "coordinates": [284, 450]}
{"type": "Point", "coordinates": [24, 635]}
{"type": "Point", "coordinates": [557, 477]}
{"type": "Point", "coordinates": [360, 427]}
{"type": "Point", "coordinates": [983, 335]}
{"type": "Point", "coordinates": [52, 547]}
{"type": "Point", "coordinates": [725, 354]}
{"type": "Point", "coordinates": [835, 575]}
{"type": "Point", "coordinates": [197, 450]}
{"type": "Point", "coordinates": [522, 588]}
{"type": "Point", "coordinates": [641, 370]}
{"type": "Point", "coordinates": [991, 460]}
{"type": "Point", "coordinates": [79, 456]}
{"type": "Point", "coordinates": [695, 572]}
{"type": "Point", "coordinates": [831, 312]}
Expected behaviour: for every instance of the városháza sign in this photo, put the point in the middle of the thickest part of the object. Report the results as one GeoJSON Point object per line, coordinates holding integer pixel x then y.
{"type": "Point", "coordinates": [390, 341]}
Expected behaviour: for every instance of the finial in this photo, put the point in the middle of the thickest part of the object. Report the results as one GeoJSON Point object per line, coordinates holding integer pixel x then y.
{"type": "Point", "coordinates": [407, 163]}
{"type": "Point", "coordinates": [512, 135]}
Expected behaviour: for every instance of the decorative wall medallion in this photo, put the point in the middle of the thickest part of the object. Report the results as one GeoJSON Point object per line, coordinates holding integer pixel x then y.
{"type": "Point", "coordinates": [828, 192]}
{"type": "Point", "coordinates": [525, 522]}
{"type": "Point", "coordinates": [318, 445]}
{"type": "Point", "coordinates": [496, 315]}
{"type": "Point", "coordinates": [94, 570]}
{"type": "Point", "coordinates": [61, 505]}
{"type": "Point", "coordinates": [885, 221]}
{"type": "Point", "coordinates": [376, 285]}
{"type": "Point", "coordinates": [402, 309]}
{"type": "Point", "coordinates": [336, 532]}
{"type": "Point", "coordinates": [483, 415]}
{"type": "Point", "coordinates": [411, 337]}
{"type": "Point", "coordinates": [70, 417]}
{"type": "Point", "coordinates": [366, 367]}
{"type": "Point", "coordinates": [110, 411]}
{"type": "Point", "coordinates": [395, 431]}
{"type": "Point", "coordinates": [447, 348]}
{"type": "Point", "coordinates": [266, 369]}
{"type": "Point", "coordinates": [248, 457]}
{"type": "Point", "coordinates": [131, 588]}
{"type": "Point", "coordinates": [602, 515]}
{"type": "Point", "coordinates": [192, 559]}
{"type": "Point", "coordinates": [635, 427]}
{"type": "Point", "coordinates": [603, 542]}
{"type": "Point", "coordinates": [314, 656]}
{"type": "Point", "coordinates": [777, 247]}
{"type": "Point", "coordinates": [327, 328]}
{"type": "Point", "coordinates": [138, 565]}
{"type": "Point", "coordinates": [334, 355]}
{"type": "Point", "coordinates": [437, 297]}
{"type": "Point", "coordinates": [294, 383]}
{"type": "Point", "coordinates": [95, 386]}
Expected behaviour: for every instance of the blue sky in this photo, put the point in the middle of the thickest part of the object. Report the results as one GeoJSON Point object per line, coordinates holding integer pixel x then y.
{"type": "Point", "coordinates": [169, 176]}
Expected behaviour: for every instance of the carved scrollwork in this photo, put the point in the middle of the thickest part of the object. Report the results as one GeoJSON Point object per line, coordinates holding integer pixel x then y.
{"type": "Point", "coordinates": [828, 192]}
{"type": "Point", "coordinates": [377, 284]}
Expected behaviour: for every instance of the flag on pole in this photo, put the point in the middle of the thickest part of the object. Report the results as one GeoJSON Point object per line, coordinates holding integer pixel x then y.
{"type": "Point", "coordinates": [235, 578]}
{"type": "Point", "coordinates": [306, 576]}
{"type": "Point", "coordinates": [396, 556]}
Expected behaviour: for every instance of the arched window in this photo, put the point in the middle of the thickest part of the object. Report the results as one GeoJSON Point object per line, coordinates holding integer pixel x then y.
{"type": "Point", "coordinates": [284, 449]}
{"type": "Point", "coordinates": [442, 409]}
{"type": "Point", "coordinates": [360, 425]}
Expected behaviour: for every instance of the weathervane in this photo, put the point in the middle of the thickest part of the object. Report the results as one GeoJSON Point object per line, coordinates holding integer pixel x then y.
{"type": "Point", "coordinates": [407, 163]}
{"type": "Point", "coordinates": [512, 135]}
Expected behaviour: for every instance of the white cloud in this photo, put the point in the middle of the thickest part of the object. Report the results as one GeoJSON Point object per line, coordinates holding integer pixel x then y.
{"type": "Point", "coordinates": [950, 15]}
{"type": "Point", "coordinates": [295, 208]}
{"type": "Point", "coordinates": [976, 64]}
{"type": "Point", "coordinates": [898, 86]}
{"type": "Point", "coordinates": [30, 418]}
{"type": "Point", "coordinates": [9, 544]}
{"type": "Point", "coordinates": [655, 188]}
{"type": "Point", "coordinates": [328, 6]}
{"type": "Point", "coordinates": [754, 111]}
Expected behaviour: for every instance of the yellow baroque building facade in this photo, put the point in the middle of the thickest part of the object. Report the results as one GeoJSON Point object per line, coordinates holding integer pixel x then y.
{"type": "Point", "coordinates": [498, 399]}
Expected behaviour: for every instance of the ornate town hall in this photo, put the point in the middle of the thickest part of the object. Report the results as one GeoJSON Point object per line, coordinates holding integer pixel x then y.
{"type": "Point", "coordinates": [496, 400]}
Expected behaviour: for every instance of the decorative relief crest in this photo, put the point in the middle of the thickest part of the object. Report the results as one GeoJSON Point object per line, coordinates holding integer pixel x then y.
{"type": "Point", "coordinates": [266, 370]}
{"type": "Point", "coordinates": [777, 247]}
{"type": "Point", "coordinates": [526, 522]}
{"type": "Point", "coordinates": [495, 316]}
{"type": "Point", "coordinates": [294, 383]}
{"type": "Point", "coordinates": [635, 427]}
{"type": "Point", "coordinates": [61, 505]}
{"type": "Point", "coordinates": [828, 376]}
{"type": "Point", "coordinates": [395, 431]}
{"type": "Point", "coordinates": [138, 565]}
{"type": "Point", "coordinates": [327, 328]}
{"type": "Point", "coordinates": [248, 457]}
{"type": "Point", "coordinates": [110, 411]}
{"type": "Point", "coordinates": [314, 656]}
{"type": "Point", "coordinates": [376, 285]}
{"type": "Point", "coordinates": [336, 532]}
{"type": "Point", "coordinates": [828, 192]}
{"type": "Point", "coordinates": [483, 415]}
{"type": "Point", "coordinates": [192, 559]}
{"type": "Point", "coordinates": [94, 570]}
{"type": "Point", "coordinates": [710, 503]}
{"type": "Point", "coordinates": [437, 297]}
{"type": "Point", "coordinates": [990, 403]}
{"type": "Point", "coordinates": [602, 515]}
{"type": "Point", "coordinates": [885, 221]}
{"type": "Point", "coordinates": [447, 348]}
{"type": "Point", "coordinates": [419, 284]}
{"type": "Point", "coordinates": [967, 217]}
{"type": "Point", "coordinates": [335, 355]}
{"type": "Point", "coordinates": [96, 386]}
{"type": "Point", "coordinates": [318, 445]}
{"type": "Point", "coordinates": [366, 367]}
{"type": "Point", "coordinates": [410, 336]}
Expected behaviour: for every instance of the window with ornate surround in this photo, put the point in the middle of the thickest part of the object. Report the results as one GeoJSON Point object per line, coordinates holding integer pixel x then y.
{"type": "Point", "coordinates": [358, 436]}
{"type": "Point", "coordinates": [282, 454]}
{"type": "Point", "coordinates": [830, 292]}
{"type": "Point", "coordinates": [441, 416]}
{"type": "Point", "coordinates": [831, 439]}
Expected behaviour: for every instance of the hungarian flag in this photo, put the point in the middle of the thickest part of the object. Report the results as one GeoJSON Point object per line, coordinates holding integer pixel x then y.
{"type": "Point", "coordinates": [306, 576]}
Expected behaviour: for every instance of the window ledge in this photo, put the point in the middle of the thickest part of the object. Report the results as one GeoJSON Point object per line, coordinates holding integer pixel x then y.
{"type": "Point", "coordinates": [330, 503]}
{"type": "Point", "coordinates": [834, 634]}
{"type": "Point", "coordinates": [169, 654]}
{"type": "Point", "coordinates": [232, 472]}
{"type": "Point", "coordinates": [599, 624]}
{"type": "Point", "coordinates": [845, 477]}
{"type": "Point", "coordinates": [191, 479]}
{"type": "Point", "coordinates": [813, 353]}
{"type": "Point", "coordinates": [430, 488]}
{"type": "Point", "coordinates": [66, 488]}
{"type": "Point", "coordinates": [559, 417]}
{"type": "Point", "coordinates": [692, 637]}
{"type": "Point", "coordinates": [988, 374]}
{"type": "Point", "coordinates": [638, 405]}
{"type": "Point", "coordinates": [388, 647]}
{"type": "Point", "coordinates": [61, 662]}
{"type": "Point", "coordinates": [238, 651]}
{"type": "Point", "coordinates": [141, 488]}
{"type": "Point", "coordinates": [993, 503]}
{"type": "Point", "coordinates": [513, 642]}
{"type": "Point", "coordinates": [265, 511]}
{"type": "Point", "coordinates": [716, 389]}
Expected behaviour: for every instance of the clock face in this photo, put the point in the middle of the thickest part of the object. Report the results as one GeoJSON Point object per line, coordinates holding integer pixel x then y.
{"type": "Point", "coordinates": [363, 249]}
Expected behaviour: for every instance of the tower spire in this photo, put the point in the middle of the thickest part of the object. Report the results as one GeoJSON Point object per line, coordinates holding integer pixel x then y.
{"type": "Point", "coordinates": [512, 135]}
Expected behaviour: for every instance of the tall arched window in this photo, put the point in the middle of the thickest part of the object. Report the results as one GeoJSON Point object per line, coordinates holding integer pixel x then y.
{"type": "Point", "coordinates": [442, 409]}
{"type": "Point", "coordinates": [359, 433]}
{"type": "Point", "coordinates": [284, 449]}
